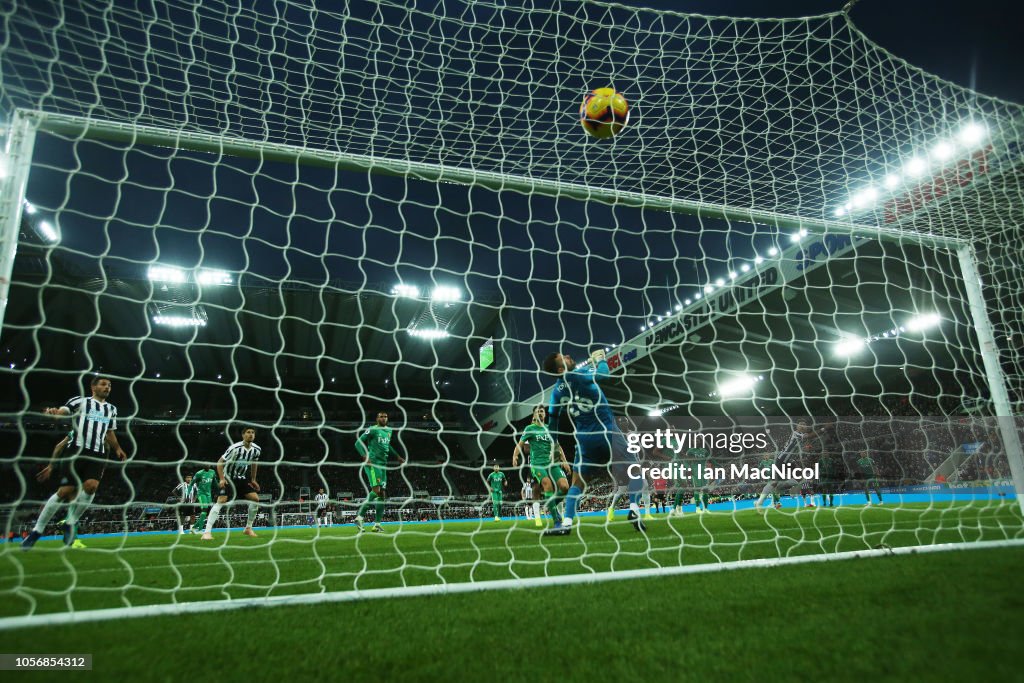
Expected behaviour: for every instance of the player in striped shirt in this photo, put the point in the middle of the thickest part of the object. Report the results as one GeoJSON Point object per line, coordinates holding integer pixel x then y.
{"type": "Point", "coordinates": [532, 506]}
{"type": "Point", "coordinates": [185, 492]}
{"type": "Point", "coordinates": [321, 499]}
{"type": "Point", "coordinates": [236, 475]}
{"type": "Point", "coordinates": [94, 423]}
{"type": "Point", "coordinates": [789, 452]}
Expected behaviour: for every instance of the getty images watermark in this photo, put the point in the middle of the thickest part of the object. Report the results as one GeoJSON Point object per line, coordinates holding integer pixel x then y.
{"type": "Point", "coordinates": [692, 445]}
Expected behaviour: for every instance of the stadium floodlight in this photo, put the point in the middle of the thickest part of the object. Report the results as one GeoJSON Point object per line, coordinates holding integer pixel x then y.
{"type": "Point", "coordinates": [47, 231]}
{"type": "Point", "coordinates": [745, 267]}
{"type": "Point", "coordinates": [923, 321]}
{"type": "Point", "coordinates": [773, 251]}
{"type": "Point", "coordinates": [891, 181]}
{"type": "Point", "coordinates": [971, 134]}
{"type": "Point", "coordinates": [915, 167]}
{"type": "Point", "coordinates": [178, 321]}
{"type": "Point", "coordinates": [736, 386]}
{"type": "Point", "coordinates": [707, 290]}
{"type": "Point", "coordinates": [166, 274]}
{"type": "Point", "coordinates": [429, 333]}
{"type": "Point", "coordinates": [679, 307]}
{"type": "Point", "coordinates": [445, 294]}
{"type": "Point", "coordinates": [720, 282]}
{"type": "Point", "coordinates": [697, 296]}
{"type": "Point", "coordinates": [688, 302]}
{"type": "Point", "coordinates": [407, 291]}
{"type": "Point", "coordinates": [30, 208]}
{"type": "Point", "coordinates": [758, 260]}
{"type": "Point", "coordinates": [850, 346]}
{"type": "Point", "coordinates": [839, 212]}
{"type": "Point", "coordinates": [213, 277]}
{"type": "Point", "coordinates": [942, 150]}
{"type": "Point", "coordinates": [660, 318]}
{"type": "Point", "coordinates": [732, 274]}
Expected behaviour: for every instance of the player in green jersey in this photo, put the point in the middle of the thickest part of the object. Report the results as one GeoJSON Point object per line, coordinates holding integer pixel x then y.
{"type": "Point", "coordinates": [870, 478]}
{"type": "Point", "coordinates": [203, 481]}
{"type": "Point", "coordinates": [549, 474]}
{"type": "Point", "coordinates": [496, 483]}
{"type": "Point", "coordinates": [375, 447]}
{"type": "Point", "coordinates": [697, 461]}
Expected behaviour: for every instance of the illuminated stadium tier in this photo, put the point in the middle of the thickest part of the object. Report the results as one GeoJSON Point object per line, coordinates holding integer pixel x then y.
{"type": "Point", "coordinates": [243, 220]}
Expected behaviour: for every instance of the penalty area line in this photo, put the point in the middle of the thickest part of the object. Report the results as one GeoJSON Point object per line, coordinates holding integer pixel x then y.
{"type": "Point", "coordinates": [175, 609]}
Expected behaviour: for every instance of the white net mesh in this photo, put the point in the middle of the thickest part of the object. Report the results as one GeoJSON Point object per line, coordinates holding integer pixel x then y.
{"type": "Point", "coordinates": [295, 220]}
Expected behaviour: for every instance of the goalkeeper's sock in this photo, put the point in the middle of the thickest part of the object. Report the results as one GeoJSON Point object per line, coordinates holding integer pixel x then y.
{"type": "Point", "coordinates": [214, 514]}
{"type": "Point", "coordinates": [378, 508]}
{"type": "Point", "coordinates": [251, 517]}
{"type": "Point", "coordinates": [50, 508]}
{"type": "Point", "coordinates": [536, 510]}
{"type": "Point", "coordinates": [81, 502]}
{"type": "Point", "coordinates": [571, 499]}
{"type": "Point", "coordinates": [366, 503]}
{"type": "Point", "coordinates": [635, 487]}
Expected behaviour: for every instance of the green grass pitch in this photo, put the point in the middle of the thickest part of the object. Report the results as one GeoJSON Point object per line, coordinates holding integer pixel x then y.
{"type": "Point", "coordinates": [940, 615]}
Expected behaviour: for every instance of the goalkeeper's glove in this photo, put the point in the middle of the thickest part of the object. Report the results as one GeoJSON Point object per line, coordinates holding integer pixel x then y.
{"type": "Point", "coordinates": [597, 356]}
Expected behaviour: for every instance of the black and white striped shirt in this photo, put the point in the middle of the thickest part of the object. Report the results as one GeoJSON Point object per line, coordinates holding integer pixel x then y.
{"type": "Point", "coordinates": [791, 450]}
{"type": "Point", "coordinates": [185, 491]}
{"type": "Point", "coordinates": [321, 500]}
{"type": "Point", "coordinates": [92, 419]}
{"type": "Point", "coordinates": [237, 459]}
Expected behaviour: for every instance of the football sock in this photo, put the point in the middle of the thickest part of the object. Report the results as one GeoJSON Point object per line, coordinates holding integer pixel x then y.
{"type": "Point", "coordinates": [49, 510]}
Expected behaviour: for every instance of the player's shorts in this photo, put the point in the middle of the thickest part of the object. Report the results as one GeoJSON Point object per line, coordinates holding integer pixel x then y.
{"type": "Point", "coordinates": [235, 489]}
{"type": "Point", "coordinates": [496, 496]}
{"type": "Point", "coordinates": [603, 452]}
{"type": "Point", "coordinates": [321, 512]}
{"type": "Point", "coordinates": [375, 476]}
{"type": "Point", "coordinates": [74, 469]}
{"type": "Point", "coordinates": [552, 472]}
{"type": "Point", "coordinates": [872, 483]}
{"type": "Point", "coordinates": [203, 501]}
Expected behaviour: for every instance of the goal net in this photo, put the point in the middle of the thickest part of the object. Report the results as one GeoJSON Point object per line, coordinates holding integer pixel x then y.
{"type": "Point", "coordinates": [295, 221]}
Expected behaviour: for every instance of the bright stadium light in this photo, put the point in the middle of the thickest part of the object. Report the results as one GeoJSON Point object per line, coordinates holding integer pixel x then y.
{"type": "Point", "coordinates": [971, 134]}
{"type": "Point", "coordinates": [732, 275]}
{"type": "Point", "coordinates": [679, 307]}
{"type": "Point", "coordinates": [47, 231]}
{"type": "Point", "coordinates": [922, 322]}
{"type": "Point", "coordinates": [408, 291]}
{"type": "Point", "coordinates": [166, 274]}
{"type": "Point", "coordinates": [688, 302]}
{"type": "Point", "coordinates": [849, 347]}
{"type": "Point", "coordinates": [758, 260]}
{"type": "Point", "coordinates": [745, 267]}
{"type": "Point", "coordinates": [773, 251]}
{"type": "Point", "coordinates": [428, 333]}
{"type": "Point", "coordinates": [915, 167]}
{"type": "Point", "coordinates": [178, 321]}
{"type": "Point", "coordinates": [213, 277]}
{"type": "Point", "coordinates": [445, 294]}
{"type": "Point", "coordinates": [30, 208]}
{"type": "Point", "coordinates": [942, 150]}
{"type": "Point", "coordinates": [720, 282]}
{"type": "Point", "coordinates": [891, 181]}
{"type": "Point", "coordinates": [736, 386]}
{"type": "Point", "coordinates": [839, 212]}
{"type": "Point", "coordinates": [654, 413]}
{"type": "Point", "coordinates": [707, 290]}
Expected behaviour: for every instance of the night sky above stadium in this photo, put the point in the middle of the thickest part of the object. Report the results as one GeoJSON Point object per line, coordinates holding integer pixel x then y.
{"type": "Point", "coordinates": [543, 262]}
